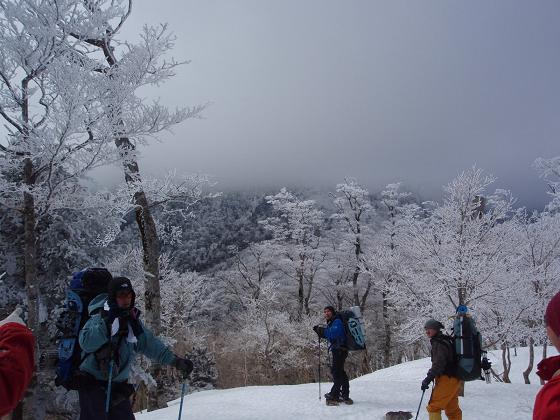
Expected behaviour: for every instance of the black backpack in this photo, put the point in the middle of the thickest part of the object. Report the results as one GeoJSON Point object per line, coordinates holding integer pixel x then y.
{"type": "Point", "coordinates": [465, 345]}
{"type": "Point", "coordinates": [468, 347]}
{"type": "Point", "coordinates": [355, 337]}
{"type": "Point", "coordinates": [84, 286]}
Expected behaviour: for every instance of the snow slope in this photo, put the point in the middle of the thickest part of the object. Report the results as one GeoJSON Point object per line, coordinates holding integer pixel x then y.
{"type": "Point", "coordinates": [393, 389]}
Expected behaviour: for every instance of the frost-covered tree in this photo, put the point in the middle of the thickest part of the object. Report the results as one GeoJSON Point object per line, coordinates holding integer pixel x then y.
{"type": "Point", "coordinates": [50, 105]}
{"type": "Point", "coordinates": [549, 170]}
{"type": "Point", "coordinates": [205, 375]}
{"type": "Point", "coordinates": [388, 261]}
{"type": "Point", "coordinates": [269, 340]}
{"type": "Point", "coordinates": [353, 205]}
{"type": "Point", "coordinates": [125, 67]}
{"type": "Point", "coordinates": [296, 229]}
{"type": "Point", "coordinates": [460, 253]}
{"type": "Point", "coordinates": [250, 268]}
{"type": "Point", "coordinates": [339, 269]}
{"type": "Point", "coordinates": [539, 264]}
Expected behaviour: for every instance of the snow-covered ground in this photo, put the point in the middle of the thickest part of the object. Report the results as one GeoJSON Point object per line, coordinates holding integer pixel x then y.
{"type": "Point", "coordinates": [393, 389]}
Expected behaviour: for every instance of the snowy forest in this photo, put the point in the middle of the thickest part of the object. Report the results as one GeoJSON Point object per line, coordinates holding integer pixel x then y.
{"type": "Point", "coordinates": [233, 279]}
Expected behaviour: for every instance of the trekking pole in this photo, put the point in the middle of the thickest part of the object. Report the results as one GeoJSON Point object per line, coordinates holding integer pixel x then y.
{"type": "Point", "coordinates": [319, 367]}
{"type": "Point", "coordinates": [419, 405]}
{"type": "Point", "coordinates": [108, 399]}
{"type": "Point", "coordinates": [183, 391]}
{"type": "Point", "coordinates": [114, 349]}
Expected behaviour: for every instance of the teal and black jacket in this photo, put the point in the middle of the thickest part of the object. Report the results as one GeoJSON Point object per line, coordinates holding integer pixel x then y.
{"type": "Point", "coordinates": [98, 348]}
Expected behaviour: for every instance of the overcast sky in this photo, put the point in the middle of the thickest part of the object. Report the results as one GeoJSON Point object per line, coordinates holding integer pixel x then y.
{"type": "Point", "coordinates": [315, 90]}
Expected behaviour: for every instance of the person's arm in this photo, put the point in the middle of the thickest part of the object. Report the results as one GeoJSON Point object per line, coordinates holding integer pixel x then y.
{"type": "Point", "coordinates": [16, 364]}
{"type": "Point", "coordinates": [93, 334]}
{"type": "Point", "coordinates": [152, 347]}
{"type": "Point", "coordinates": [440, 358]}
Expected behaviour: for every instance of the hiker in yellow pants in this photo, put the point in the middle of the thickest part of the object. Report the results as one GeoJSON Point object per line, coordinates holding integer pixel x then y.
{"type": "Point", "coordinates": [445, 395]}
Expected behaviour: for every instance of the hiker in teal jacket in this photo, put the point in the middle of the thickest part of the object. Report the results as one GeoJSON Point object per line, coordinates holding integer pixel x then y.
{"type": "Point", "coordinates": [110, 340]}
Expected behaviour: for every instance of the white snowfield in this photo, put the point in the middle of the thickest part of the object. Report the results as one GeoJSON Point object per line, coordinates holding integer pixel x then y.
{"type": "Point", "coordinates": [393, 389]}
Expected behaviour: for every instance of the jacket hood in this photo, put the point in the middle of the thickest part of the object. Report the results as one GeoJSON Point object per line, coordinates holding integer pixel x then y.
{"type": "Point", "coordinates": [97, 303]}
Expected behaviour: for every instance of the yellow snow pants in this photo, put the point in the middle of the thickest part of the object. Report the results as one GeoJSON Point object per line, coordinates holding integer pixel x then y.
{"type": "Point", "coordinates": [445, 396]}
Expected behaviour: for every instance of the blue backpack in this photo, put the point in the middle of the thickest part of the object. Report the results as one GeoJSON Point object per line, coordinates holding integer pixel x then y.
{"type": "Point", "coordinates": [355, 337]}
{"type": "Point", "coordinates": [84, 286]}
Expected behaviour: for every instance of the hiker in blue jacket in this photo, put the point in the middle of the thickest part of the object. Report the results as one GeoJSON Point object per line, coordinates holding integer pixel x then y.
{"type": "Point", "coordinates": [335, 334]}
{"type": "Point", "coordinates": [110, 340]}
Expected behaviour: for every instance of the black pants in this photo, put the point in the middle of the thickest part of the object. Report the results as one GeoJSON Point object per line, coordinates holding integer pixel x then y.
{"type": "Point", "coordinates": [93, 399]}
{"type": "Point", "coordinates": [341, 386]}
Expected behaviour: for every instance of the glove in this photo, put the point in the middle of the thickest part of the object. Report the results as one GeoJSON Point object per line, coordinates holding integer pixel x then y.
{"type": "Point", "coordinates": [319, 330]}
{"type": "Point", "coordinates": [124, 320]}
{"type": "Point", "coordinates": [426, 383]}
{"type": "Point", "coordinates": [115, 312]}
{"type": "Point", "coordinates": [122, 314]}
{"type": "Point", "coordinates": [184, 365]}
{"type": "Point", "coordinates": [15, 316]}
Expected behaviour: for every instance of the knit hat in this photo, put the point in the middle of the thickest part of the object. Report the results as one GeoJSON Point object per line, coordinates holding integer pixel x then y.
{"type": "Point", "coordinates": [433, 325]}
{"type": "Point", "coordinates": [120, 284]}
{"type": "Point", "coordinates": [552, 314]}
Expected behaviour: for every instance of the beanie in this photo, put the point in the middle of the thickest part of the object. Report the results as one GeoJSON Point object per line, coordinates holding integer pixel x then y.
{"type": "Point", "coordinates": [552, 314]}
{"type": "Point", "coordinates": [330, 308]}
{"type": "Point", "coordinates": [119, 284]}
{"type": "Point", "coordinates": [433, 325]}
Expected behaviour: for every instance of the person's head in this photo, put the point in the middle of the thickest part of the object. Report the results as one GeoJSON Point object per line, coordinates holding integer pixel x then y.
{"type": "Point", "coordinates": [552, 321]}
{"type": "Point", "coordinates": [329, 312]}
{"type": "Point", "coordinates": [121, 293]}
{"type": "Point", "coordinates": [432, 327]}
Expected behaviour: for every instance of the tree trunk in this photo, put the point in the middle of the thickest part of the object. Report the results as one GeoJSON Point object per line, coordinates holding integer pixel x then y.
{"type": "Point", "coordinates": [366, 368]}
{"type": "Point", "coordinates": [356, 274]}
{"type": "Point", "coordinates": [151, 253]}
{"type": "Point", "coordinates": [544, 349]}
{"type": "Point", "coordinates": [531, 361]}
{"type": "Point", "coordinates": [387, 324]}
{"type": "Point", "coordinates": [462, 295]}
{"type": "Point", "coordinates": [339, 300]}
{"type": "Point", "coordinates": [33, 407]}
{"type": "Point", "coordinates": [506, 362]}
{"type": "Point", "coordinates": [300, 296]}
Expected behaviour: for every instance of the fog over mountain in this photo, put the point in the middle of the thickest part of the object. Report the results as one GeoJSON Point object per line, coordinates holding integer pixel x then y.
{"type": "Point", "coordinates": [311, 91]}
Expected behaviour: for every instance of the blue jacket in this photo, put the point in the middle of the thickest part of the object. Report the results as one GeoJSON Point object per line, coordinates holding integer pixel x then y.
{"type": "Point", "coordinates": [95, 334]}
{"type": "Point", "coordinates": [334, 332]}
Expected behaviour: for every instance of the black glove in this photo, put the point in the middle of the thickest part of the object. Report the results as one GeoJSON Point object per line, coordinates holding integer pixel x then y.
{"type": "Point", "coordinates": [122, 314]}
{"type": "Point", "coordinates": [124, 320]}
{"type": "Point", "coordinates": [184, 365]}
{"type": "Point", "coordinates": [319, 330]}
{"type": "Point", "coordinates": [426, 383]}
{"type": "Point", "coordinates": [116, 312]}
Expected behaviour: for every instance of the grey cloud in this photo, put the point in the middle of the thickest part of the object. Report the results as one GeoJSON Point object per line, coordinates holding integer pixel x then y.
{"type": "Point", "coordinates": [315, 90]}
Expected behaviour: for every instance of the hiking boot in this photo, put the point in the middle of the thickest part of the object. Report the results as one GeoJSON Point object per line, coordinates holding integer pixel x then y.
{"type": "Point", "coordinates": [331, 397]}
{"type": "Point", "coordinates": [347, 400]}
